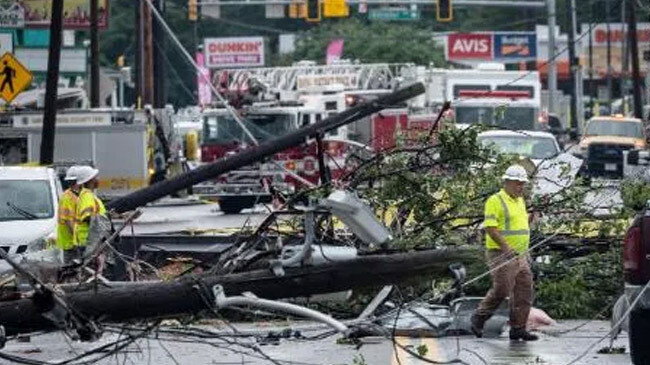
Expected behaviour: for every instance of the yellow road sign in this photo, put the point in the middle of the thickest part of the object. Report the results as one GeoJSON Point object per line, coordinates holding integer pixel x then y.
{"type": "Point", "coordinates": [335, 9]}
{"type": "Point", "coordinates": [14, 77]}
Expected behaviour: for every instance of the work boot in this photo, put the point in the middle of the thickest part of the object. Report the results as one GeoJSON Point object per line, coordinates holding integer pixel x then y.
{"type": "Point", "coordinates": [522, 334]}
{"type": "Point", "coordinates": [477, 325]}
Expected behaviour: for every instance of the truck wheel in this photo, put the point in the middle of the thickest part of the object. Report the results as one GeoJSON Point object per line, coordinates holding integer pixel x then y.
{"type": "Point", "coordinates": [234, 205]}
{"type": "Point", "coordinates": [639, 331]}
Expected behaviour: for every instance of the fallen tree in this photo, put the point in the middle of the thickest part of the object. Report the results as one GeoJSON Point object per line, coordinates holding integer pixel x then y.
{"type": "Point", "coordinates": [191, 295]}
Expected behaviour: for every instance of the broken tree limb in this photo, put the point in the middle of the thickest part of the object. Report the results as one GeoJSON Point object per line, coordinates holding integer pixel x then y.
{"type": "Point", "coordinates": [209, 171]}
{"type": "Point", "coordinates": [189, 295]}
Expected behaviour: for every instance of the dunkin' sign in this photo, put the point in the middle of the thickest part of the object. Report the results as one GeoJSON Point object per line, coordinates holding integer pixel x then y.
{"type": "Point", "coordinates": [234, 52]}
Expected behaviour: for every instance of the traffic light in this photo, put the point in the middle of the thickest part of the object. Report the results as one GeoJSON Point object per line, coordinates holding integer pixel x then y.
{"type": "Point", "coordinates": [313, 10]}
{"type": "Point", "coordinates": [192, 10]}
{"type": "Point", "coordinates": [444, 11]}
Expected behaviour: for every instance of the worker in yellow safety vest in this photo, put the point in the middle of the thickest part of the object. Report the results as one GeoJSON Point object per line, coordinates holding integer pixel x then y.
{"type": "Point", "coordinates": [89, 205]}
{"type": "Point", "coordinates": [66, 215]}
{"type": "Point", "coordinates": [507, 240]}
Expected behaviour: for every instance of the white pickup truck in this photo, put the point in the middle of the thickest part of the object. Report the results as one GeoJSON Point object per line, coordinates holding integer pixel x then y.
{"type": "Point", "coordinates": [29, 201]}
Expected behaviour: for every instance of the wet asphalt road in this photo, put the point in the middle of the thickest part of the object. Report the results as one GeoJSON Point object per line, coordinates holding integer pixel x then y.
{"type": "Point", "coordinates": [171, 349]}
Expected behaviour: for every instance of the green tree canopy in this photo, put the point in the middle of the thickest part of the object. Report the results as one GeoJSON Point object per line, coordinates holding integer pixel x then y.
{"type": "Point", "coordinates": [370, 42]}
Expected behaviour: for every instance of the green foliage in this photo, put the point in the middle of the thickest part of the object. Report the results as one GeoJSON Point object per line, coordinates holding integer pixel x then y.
{"type": "Point", "coordinates": [582, 287]}
{"type": "Point", "coordinates": [635, 194]}
{"type": "Point", "coordinates": [369, 42]}
{"type": "Point", "coordinates": [422, 350]}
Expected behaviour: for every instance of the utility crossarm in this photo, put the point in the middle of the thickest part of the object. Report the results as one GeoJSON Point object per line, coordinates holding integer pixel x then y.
{"type": "Point", "coordinates": [362, 76]}
{"type": "Point", "coordinates": [495, 3]}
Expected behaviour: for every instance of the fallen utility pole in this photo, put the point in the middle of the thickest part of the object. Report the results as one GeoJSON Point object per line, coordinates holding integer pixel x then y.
{"type": "Point", "coordinates": [634, 54]}
{"type": "Point", "coordinates": [190, 295]}
{"type": "Point", "coordinates": [52, 83]}
{"type": "Point", "coordinates": [257, 153]}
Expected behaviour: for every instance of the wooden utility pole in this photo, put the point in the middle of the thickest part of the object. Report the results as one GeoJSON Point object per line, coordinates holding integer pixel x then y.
{"type": "Point", "coordinates": [189, 295]}
{"type": "Point", "coordinates": [139, 76]}
{"type": "Point", "coordinates": [205, 172]}
{"type": "Point", "coordinates": [147, 53]}
{"type": "Point", "coordinates": [52, 83]}
{"type": "Point", "coordinates": [634, 54]}
{"type": "Point", "coordinates": [94, 55]}
{"type": "Point", "coordinates": [160, 97]}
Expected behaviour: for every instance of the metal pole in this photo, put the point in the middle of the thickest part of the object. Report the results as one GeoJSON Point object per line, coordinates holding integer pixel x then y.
{"type": "Point", "coordinates": [592, 91]}
{"type": "Point", "coordinates": [634, 54]}
{"type": "Point", "coordinates": [579, 80]}
{"type": "Point", "coordinates": [121, 91]}
{"type": "Point", "coordinates": [51, 85]}
{"type": "Point", "coordinates": [570, 10]}
{"type": "Point", "coordinates": [609, 57]}
{"type": "Point", "coordinates": [94, 55]}
{"type": "Point", "coordinates": [551, 66]}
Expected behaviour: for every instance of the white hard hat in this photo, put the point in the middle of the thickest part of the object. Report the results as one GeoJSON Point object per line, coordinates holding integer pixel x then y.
{"type": "Point", "coordinates": [85, 174]}
{"type": "Point", "coordinates": [516, 173]}
{"type": "Point", "coordinates": [71, 174]}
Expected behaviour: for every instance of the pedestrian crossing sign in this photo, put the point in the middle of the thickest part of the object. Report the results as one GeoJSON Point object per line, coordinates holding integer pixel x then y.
{"type": "Point", "coordinates": [14, 77]}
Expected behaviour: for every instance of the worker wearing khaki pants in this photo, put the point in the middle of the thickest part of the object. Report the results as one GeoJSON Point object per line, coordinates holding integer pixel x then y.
{"type": "Point", "coordinates": [507, 241]}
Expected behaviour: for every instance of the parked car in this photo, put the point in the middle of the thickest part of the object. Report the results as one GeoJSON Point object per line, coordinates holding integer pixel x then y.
{"type": "Point", "coordinates": [29, 200]}
{"type": "Point", "coordinates": [543, 150]}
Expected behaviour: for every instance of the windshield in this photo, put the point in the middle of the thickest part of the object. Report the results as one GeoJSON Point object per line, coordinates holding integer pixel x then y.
{"type": "Point", "coordinates": [522, 118]}
{"type": "Point", "coordinates": [614, 128]}
{"type": "Point", "coordinates": [537, 148]}
{"type": "Point", "coordinates": [224, 128]}
{"type": "Point", "coordinates": [25, 200]}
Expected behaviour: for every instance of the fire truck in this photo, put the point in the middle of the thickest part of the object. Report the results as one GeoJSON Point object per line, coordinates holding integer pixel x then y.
{"type": "Point", "coordinates": [274, 101]}
{"type": "Point", "coordinates": [131, 148]}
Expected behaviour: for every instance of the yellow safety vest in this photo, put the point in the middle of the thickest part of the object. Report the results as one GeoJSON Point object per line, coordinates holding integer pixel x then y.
{"type": "Point", "coordinates": [66, 217]}
{"type": "Point", "coordinates": [509, 216]}
{"type": "Point", "coordinates": [88, 206]}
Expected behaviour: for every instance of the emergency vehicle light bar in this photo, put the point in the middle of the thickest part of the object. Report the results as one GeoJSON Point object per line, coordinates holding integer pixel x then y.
{"type": "Point", "coordinates": [506, 94]}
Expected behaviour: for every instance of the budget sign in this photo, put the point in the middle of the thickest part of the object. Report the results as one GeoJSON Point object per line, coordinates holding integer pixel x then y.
{"type": "Point", "coordinates": [521, 46]}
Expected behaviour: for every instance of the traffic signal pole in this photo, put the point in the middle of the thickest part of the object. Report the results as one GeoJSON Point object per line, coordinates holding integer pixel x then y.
{"type": "Point", "coordinates": [573, 68]}
{"type": "Point", "coordinates": [51, 84]}
{"type": "Point", "coordinates": [94, 55]}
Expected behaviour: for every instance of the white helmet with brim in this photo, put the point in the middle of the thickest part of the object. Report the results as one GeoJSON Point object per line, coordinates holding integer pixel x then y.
{"type": "Point", "coordinates": [85, 174]}
{"type": "Point", "coordinates": [516, 173]}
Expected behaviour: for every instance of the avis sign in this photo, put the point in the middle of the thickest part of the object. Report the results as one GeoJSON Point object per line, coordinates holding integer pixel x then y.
{"type": "Point", "coordinates": [469, 46]}
{"type": "Point", "coordinates": [234, 52]}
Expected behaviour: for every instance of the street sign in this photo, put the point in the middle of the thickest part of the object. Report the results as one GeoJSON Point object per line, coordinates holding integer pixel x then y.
{"type": "Point", "coordinates": [393, 14]}
{"type": "Point", "coordinates": [14, 77]}
{"type": "Point", "coordinates": [335, 9]}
